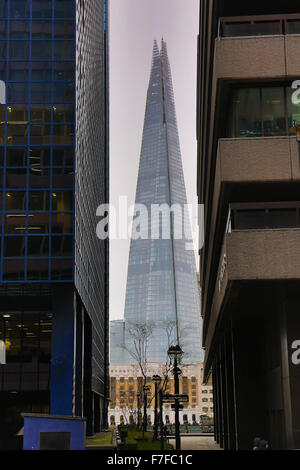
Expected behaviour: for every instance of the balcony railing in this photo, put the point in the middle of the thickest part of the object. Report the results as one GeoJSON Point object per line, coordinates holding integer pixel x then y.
{"type": "Point", "coordinates": [266, 25]}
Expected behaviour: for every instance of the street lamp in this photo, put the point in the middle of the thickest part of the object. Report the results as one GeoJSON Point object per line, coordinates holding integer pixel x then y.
{"type": "Point", "coordinates": [138, 395]}
{"type": "Point", "coordinates": [156, 379]}
{"type": "Point", "coordinates": [145, 389]}
{"type": "Point", "coordinates": [175, 353]}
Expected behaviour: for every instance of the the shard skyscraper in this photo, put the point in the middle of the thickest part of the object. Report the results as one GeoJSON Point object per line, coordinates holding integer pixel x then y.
{"type": "Point", "coordinates": [162, 288]}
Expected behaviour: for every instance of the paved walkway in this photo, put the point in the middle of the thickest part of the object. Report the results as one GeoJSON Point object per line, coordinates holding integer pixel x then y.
{"type": "Point", "coordinates": [197, 443]}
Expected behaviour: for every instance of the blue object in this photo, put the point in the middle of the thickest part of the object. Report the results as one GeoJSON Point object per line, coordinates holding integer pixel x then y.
{"type": "Point", "coordinates": [34, 424]}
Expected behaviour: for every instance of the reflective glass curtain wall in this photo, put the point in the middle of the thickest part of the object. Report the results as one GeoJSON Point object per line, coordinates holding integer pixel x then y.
{"type": "Point", "coordinates": [162, 289]}
{"type": "Point", "coordinates": [37, 64]}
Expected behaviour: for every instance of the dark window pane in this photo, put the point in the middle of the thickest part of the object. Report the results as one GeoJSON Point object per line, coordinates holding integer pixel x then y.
{"type": "Point", "coordinates": [258, 28]}
{"type": "Point", "coordinates": [20, 8]}
{"type": "Point", "coordinates": [20, 29]}
{"type": "Point", "coordinates": [38, 200]}
{"type": "Point", "coordinates": [3, 49]}
{"type": "Point", "coordinates": [3, 8]}
{"type": "Point", "coordinates": [15, 201]}
{"type": "Point", "coordinates": [63, 113]}
{"type": "Point", "coordinates": [41, 91]}
{"type": "Point", "coordinates": [16, 178]}
{"type": "Point", "coordinates": [245, 115]}
{"type": "Point", "coordinates": [17, 134]}
{"type": "Point", "coordinates": [39, 157]}
{"type": "Point", "coordinates": [2, 135]}
{"type": "Point", "coordinates": [38, 223]}
{"type": "Point", "coordinates": [1, 156]}
{"type": "Point", "coordinates": [38, 246]}
{"type": "Point", "coordinates": [292, 27]}
{"type": "Point", "coordinates": [19, 49]}
{"type": "Point", "coordinates": [15, 224]}
{"type": "Point", "coordinates": [41, 49]}
{"type": "Point", "coordinates": [62, 178]}
{"type": "Point", "coordinates": [63, 156]}
{"type": "Point", "coordinates": [3, 71]}
{"type": "Point", "coordinates": [64, 71]}
{"type": "Point", "coordinates": [41, 71]}
{"type": "Point", "coordinates": [64, 8]}
{"type": "Point", "coordinates": [3, 28]}
{"type": "Point", "coordinates": [63, 134]}
{"type": "Point", "coordinates": [13, 270]}
{"type": "Point", "coordinates": [17, 92]}
{"type": "Point", "coordinates": [40, 134]}
{"type": "Point", "coordinates": [250, 219]}
{"type": "Point", "coordinates": [37, 269]}
{"type": "Point", "coordinates": [61, 246]}
{"type": "Point", "coordinates": [39, 177]}
{"type": "Point", "coordinates": [41, 8]}
{"type": "Point", "coordinates": [63, 91]}
{"type": "Point", "coordinates": [17, 114]}
{"type": "Point", "coordinates": [42, 29]}
{"type": "Point", "coordinates": [62, 200]}
{"type": "Point", "coordinates": [40, 113]}
{"type": "Point", "coordinates": [61, 269]}
{"type": "Point", "coordinates": [16, 156]}
{"type": "Point", "coordinates": [282, 218]}
{"type": "Point", "coordinates": [18, 71]}
{"type": "Point", "coordinates": [62, 223]}
{"type": "Point", "coordinates": [64, 50]}
{"type": "Point", "coordinates": [273, 111]}
{"type": "Point", "coordinates": [14, 247]}
{"type": "Point", "coordinates": [64, 29]}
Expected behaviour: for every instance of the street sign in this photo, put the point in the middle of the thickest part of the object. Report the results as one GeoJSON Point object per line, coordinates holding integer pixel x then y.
{"type": "Point", "coordinates": [180, 407]}
{"type": "Point", "coordinates": [171, 398]}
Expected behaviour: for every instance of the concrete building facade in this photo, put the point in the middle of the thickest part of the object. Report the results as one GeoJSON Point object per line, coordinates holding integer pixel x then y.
{"type": "Point", "coordinates": [249, 181]}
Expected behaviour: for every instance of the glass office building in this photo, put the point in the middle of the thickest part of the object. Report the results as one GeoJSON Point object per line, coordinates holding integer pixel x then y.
{"type": "Point", "coordinates": [53, 175]}
{"type": "Point", "coordinates": [162, 288]}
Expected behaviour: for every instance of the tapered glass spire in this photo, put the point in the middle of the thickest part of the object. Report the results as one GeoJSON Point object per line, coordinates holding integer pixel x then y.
{"type": "Point", "coordinates": [162, 288]}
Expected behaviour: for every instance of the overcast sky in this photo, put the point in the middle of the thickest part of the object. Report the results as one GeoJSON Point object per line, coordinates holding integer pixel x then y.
{"type": "Point", "coordinates": [133, 26]}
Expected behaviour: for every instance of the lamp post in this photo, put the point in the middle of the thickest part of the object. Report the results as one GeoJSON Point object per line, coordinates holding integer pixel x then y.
{"type": "Point", "coordinates": [138, 395]}
{"type": "Point", "coordinates": [175, 353]}
{"type": "Point", "coordinates": [156, 379]}
{"type": "Point", "coordinates": [145, 389]}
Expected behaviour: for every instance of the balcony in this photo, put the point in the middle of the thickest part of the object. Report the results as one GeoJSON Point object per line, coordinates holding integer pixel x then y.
{"type": "Point", "coordinates": [269, 25]}
{"type": "Point", "coordinates": [254, 255]}
{"type": "Point", "coordinates": [258, 47]}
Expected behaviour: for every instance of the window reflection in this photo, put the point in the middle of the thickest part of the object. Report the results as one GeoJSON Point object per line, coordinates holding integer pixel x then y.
{"type": "Point", "coordinates": [37, 269]}
{"type": "Point", "coordinates": [17, 134]}
{"type": "Point", "coordinates": [20, 29]}
{"type": "Point", "coordinates": [17, 114]}
{"type": "Point", "coordinates": [62, 200]}
{"type": "Point", "coordinates": [62, 223]}
{"type": "Point", "coordinates": [15, 224]}
{"type": "Point", "coordinates": [14, 247]}
{"type": "Point", "coordinates": [39, 177]}
{"type": "Point", "coordinates": [15, 201]}
{"type": "Point", "coordinates": [16, 156]}
{"type": "Point", "coordinates": [13, 270]}
{"type": "Point", "coordinates": [38, 200]}
{"type": "Point", "coordinates": [38, 223]}
{"type": "Point", "coordinates": [39, 157]}
{"type": "Point", "coordinates": [16, 178]}
{"type": "Point", "coordinates": [38, 246]}
{"type": "Point", "coordinates": [61, 269]}
{"type": "Point", "coordinates": [62, 178]}
{"type": "Point", "coordinates": [40, 113]}
{"type": "Point", "coordinates": [18, 71]}
{"type": "Point", "coordinates": [40, 134]}
{"type": "Point", "coordinates": [63, 134]}
{"type": "Point", "coordinates": [63, 156]}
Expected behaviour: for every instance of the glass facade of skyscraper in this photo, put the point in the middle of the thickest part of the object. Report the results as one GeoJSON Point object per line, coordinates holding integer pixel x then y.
{"type": "Point", "coordinates": [162, 289]}
{"type": "Point", "coordinates": [53, 269]}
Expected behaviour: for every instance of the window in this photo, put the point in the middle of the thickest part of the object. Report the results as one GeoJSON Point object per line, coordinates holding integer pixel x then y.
{"type": "Point", "coordinates": [263, 111]}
